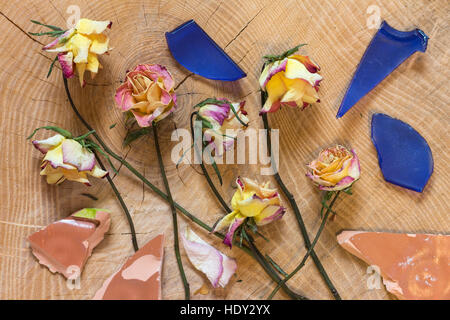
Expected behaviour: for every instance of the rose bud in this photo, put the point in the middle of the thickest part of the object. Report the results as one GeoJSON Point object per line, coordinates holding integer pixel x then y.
{"type": "Point", "coordinates": [218, 119]}
{"type": "Point", "coordinates": [251, 200]}
{"type": "Point", "coordinates": [148, 92]}
{"type": "Point", "coordinates": [67, 159]}
{"type": "Point", "coordinates": [292, 81]}
{"type": "Point", "coordinates": [80, 46]}
{"type": "Point", "coordinates": [335, 169]}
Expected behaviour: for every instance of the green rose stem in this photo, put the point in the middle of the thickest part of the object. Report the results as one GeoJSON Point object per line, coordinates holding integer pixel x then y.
{"type": "Point", "coordinates": [294, 206]}
{"type": "Point", "coordinates": [176, 243]}
{"type": "Point", "coordinates": [310, 250]}
{"type": "Point", "coordinates": [194, 219]}
{"type": "Point", "coordinates": [256, 253]}
{"type": "Point", "coordinates": [122, 203]}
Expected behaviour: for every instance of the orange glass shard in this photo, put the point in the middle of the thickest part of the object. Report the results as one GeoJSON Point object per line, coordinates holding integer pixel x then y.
{"type": "Point", "coordinates": [139, 278]}
{"type": "Point", "coordinates": [413, 266]}
{"type": "Point", "coordinates": [65, 245]}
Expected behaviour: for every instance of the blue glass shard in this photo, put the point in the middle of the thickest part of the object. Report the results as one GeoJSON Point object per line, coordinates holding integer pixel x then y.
{"type": "Point", "coordinates": [403, 154]}
{"type": "Point", "coordinates": [387, 50]}
{"type": "Point", "coordinates": [198, 53]}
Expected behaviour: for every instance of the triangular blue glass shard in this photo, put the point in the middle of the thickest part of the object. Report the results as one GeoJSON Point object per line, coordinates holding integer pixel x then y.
{"type": "Point", "coordinates": [198, 53]}
{"type": "Point", "coordinates": [387, 50]}
{"type": "Point", "coordinates": [403, 154]}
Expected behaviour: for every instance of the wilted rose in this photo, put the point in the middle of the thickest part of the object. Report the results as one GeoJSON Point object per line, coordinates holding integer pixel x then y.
{"type": "Point", "coordinates": [335, 169]}
{"type": "Point", "coordinates": [220, 117]}
{"type": "Point", "coordinates": [80, 46]}
{"type": "Point", "coordinates": [148, 92]}
{"type": "Point", "coordinates": [251, 200]}
{"type": "Point", "coordinates": [67, 159]}
{"type": "Point", "coordinates": [292, 81]}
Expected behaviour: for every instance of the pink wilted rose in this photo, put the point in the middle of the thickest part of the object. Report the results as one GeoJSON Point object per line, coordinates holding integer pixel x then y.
{"type": "Point", "coordinates": [335, 169]}
{"type": "Point", "coordinates": [223, 119]}
{"type": "Point", "coordinates": [148, 92]}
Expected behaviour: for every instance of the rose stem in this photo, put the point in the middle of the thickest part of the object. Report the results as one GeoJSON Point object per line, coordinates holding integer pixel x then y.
{"type": "Point", "coordinates": [122, 203]}
{"type": "Point", "coordinates": [256, 253]}
{"type": "Point", "coordinates": [310, 250]}
{"type": "Point", "coordinates": [294, 206]}
{"type": "Point", "coordinates": [176, 243]}
{"type": "Point", "coordinates": [164, 196]}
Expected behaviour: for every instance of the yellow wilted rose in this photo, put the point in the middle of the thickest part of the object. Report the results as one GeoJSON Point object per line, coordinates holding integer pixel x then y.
{"type": "Point", "coordinates": [80, 46]}
{"type": "Point", "coordinates": [67, 159]}
{"type": "Point", "coordinates": [292, 81]}
{"type": "Point", "coordinates": [335, 169]}
{"type": "Point", "coordinates": [251, 200]}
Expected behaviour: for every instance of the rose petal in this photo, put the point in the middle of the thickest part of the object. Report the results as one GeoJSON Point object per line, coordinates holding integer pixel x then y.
{"type": "Point", "coordinates": [77, 156]}
{"type": "Point", "coordinates": [269, 214]}
{"type": "Point", "coordinates": [100, 43]}
{"type": "Point", "coordinates": [297, 70]}
{"type": "Point", "coordinates": [55, 158]}
{"type": "Point", "coordinates": [87, 26]}
{"type": "Point", "coordinates": [270, 70]}
{"type": "Point", "coordinates": [45, 145]}
{"type": "Point", "coordinates": [80, 48]}
{"type": "Point", "coordinates": [215, 265]}
{"type": "Point", "coordinates": [215, 114]}
{"type": "Point", "coordinates": [61, 40]}
{"type": "Point", "coordinates": [66, 62]}
{"type": "Point", "coordinates": [97, 172]}
{"type": "Point", "coordinates": [238, 220]}
{"type": "Point", "coordinates": [92, 64]}
{"type": "Point", "coordinates": [124, 98]}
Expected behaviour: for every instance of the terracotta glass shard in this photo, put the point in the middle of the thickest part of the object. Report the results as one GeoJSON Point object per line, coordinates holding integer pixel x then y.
{"type": "Point", "coordinates": [197, 52]}
{"type": "Point", "coordinates": [65, 245]}
{"type": "Point", "coordinates": [403, 154]}
{"type": "Point", "coordinates": [413, 266]}
{"type": "Point", "coordinates": [387, 50]}
{"type": "Point", "coordinates": [139, 278]}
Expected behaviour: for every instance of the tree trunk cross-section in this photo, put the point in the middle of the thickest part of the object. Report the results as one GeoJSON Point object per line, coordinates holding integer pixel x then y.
{"type": "Point", "coordinates": [337, 35]}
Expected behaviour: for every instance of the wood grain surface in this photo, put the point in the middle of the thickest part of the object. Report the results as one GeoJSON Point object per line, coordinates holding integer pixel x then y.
{"type": "Point", "coordinates": [337, 35]}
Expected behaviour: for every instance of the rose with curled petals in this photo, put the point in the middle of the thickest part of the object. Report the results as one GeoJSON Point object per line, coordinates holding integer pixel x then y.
{"type": "Point", "coordinates": [67, 159]}
{"type": "Point", "coordinates": [80, 47]}
{"type": "Point", "coordinates": [335, 169]}
{"type": "Point", "coordinates": [148, 92]}
{"type": "Point", "coordinates": [292, 81]}
{"type": "Point", "coordinates": [251, 200]}
{"type": "Point", "coordinates": [219, 117]}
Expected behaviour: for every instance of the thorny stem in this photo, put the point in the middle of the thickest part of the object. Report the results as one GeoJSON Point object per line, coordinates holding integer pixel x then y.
{"type": "Point", "coordinates": [295, 208]}
{"type": "Point", "coordinates": [186, 213]}
{"type": "Point", "coordinates": [174, 214]}
{"type": "Point", "coordinates": [255, 251]}
{"type": "Point", "coordinates": [310, 250]}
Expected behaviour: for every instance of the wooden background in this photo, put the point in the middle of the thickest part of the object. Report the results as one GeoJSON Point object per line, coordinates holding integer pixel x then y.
{"type": "Point", "coordinates": [337, 34]}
